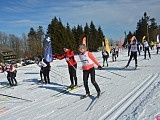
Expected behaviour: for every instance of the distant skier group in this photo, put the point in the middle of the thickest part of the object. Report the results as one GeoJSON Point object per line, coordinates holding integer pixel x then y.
{"type": "Point", "coordinates": [11, 72]}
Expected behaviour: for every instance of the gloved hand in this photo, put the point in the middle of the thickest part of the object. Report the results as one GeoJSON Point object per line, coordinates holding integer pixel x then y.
{"type": "Point", "coordinates": [100, 68]}
{"type": "Point", "coordinates": [67, 59]}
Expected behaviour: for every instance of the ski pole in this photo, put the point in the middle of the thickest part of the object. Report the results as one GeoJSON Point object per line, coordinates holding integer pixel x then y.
{"type": "Point", "coordinates": [102, 76]}
{"type": "Point", "coordinates": [61, 77]}
{"type": "Point", "coordinates": [72, 65]}
{"type": "Point", "coordinates": [117, 74]}
{"type": "Point", "coordinates": [15, 97]}
{"type": "Point", "coordinates": [4, 73]}
{"type": "Point", "coordinates": [57, 74]}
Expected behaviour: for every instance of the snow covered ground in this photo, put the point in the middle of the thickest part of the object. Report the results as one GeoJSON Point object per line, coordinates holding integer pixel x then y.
{"type": "Point", "coordinates": [128, 94]}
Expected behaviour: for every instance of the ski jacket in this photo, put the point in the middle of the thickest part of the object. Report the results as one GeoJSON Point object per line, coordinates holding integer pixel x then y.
{"type": "Point", "coordinates": [146, 45]}
{"type": "Point", "coordinates": [134, 48]}
{"type": "Point", "coordinates": [88, 60]}
{"type": "Point", "coordinates": [158, 45]}
{"type": "Point", "coordinates": [113, 51]}
{"type": "Point", "coordinates": [69, 56]}
{"type": "Point", "coordinates": [10, 68]}
{"type": "Point", "coordinates": [105, 54]}
{"type": "Point", "coordinates": [117, 49]}
{"type": "Point", "coordinates": [44, 65]}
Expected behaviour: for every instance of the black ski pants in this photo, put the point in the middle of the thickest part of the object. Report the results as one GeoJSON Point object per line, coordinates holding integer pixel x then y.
{"type": "Point", "coordinates": [46, 74]}
{"type": "Point", "coordinates": [158, 49]}
{"type": "Point", "coordinates": [133, 55]}
{"type": "Point", "coordinates": [105, 59]}
{"type": "Point", "coordinates": [85, 80]}
{"type": "Point", "coordinates": [10, 80]}
{"type": "Point", "coordinates": [13, 77]}
{"type": "Point", "coordinates": [72, 73]}
{"type": "Point", "coordinates": [145, 50]}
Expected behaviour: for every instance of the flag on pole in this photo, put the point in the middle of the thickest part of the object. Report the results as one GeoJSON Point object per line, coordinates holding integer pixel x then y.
{"type": "Point", "coordinates": [47, 49]}
{"type": "Point", "coordinates": [84, 41]}
{"type": "Point", "coordinates": [102, 43]}
{"type": "Point", "coordinates": [157, 38]}
{"type": "Point", "coordinates": [133, 37]}
{"type": "Point", "coordinates": [120, 43]}
{"type": "Point", "coordinates": [107, 45]}
{"type": "Point", "coordinates": [143, 38]}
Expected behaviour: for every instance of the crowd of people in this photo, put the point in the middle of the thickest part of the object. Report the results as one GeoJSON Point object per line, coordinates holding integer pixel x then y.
{"type": "Point", "coordinates": [87, 59]}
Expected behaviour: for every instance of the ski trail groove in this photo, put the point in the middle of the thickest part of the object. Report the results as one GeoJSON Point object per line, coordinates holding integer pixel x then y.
{"type": "Point", "coordinates": [116, 111]}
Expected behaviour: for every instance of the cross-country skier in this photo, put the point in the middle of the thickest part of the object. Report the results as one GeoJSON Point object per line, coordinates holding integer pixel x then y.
{"type": "Point", "coordinates": [45, 66]}
{"type": "Point", "coordinates": [88, 61]}
{"type": "Point", "coordinates": [113, 52]}
{"type": "Point", "coordinates": [117, 50]}
{"type": "Point", "coordinates": [11, 74]}
{"type": "Point", "coordinates": [134, 48]}
{"type": "Point", "coordinates": [72, 65]}
{"type": "Point", "coordinates": [158, 47]}
{"type": "Point", "coordinates": [146, 48]}
{"type": "Point", "coordinates": [105, 56]}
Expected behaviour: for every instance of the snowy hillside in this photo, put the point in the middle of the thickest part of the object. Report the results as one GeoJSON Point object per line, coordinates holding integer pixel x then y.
{"type": "Point", "coordinates": [127, 94]}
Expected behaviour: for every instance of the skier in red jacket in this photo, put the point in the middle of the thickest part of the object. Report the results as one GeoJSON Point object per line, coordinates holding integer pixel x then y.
{"type": "Point", "coordinates": [72, 65]}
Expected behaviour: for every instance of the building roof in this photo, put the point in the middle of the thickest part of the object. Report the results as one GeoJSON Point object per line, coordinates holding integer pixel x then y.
{"type": "Point", "coordinates": [4, 49]}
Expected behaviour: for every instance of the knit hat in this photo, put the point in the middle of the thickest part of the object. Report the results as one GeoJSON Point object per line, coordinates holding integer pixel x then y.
{"type": "Point", "coordinates": [82, 46]}
{"type": "Point", "coordinates": [134, 41]}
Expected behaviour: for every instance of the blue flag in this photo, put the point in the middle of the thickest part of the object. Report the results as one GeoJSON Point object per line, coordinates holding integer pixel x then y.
{"type": "Point", "coordinates": [47, 49]}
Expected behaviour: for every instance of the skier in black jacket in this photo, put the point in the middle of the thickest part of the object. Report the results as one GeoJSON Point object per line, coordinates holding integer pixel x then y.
{"type": "Point", "coordinates": [45, 68]}
{"type": "Point", "coordinates": [105, 56]}
{"type": "Point", "coordinates": [134, 48]}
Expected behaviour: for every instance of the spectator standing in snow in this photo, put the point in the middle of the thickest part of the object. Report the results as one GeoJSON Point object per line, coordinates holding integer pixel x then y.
{"type": "Point", "coordinates": [72, 65]}
{"type": "Point", "coordinates": [39, 63]}
{"type": "Point", "coordinates": [134, 48]}
{"type": "Point", "coordinates": [88, 61]}
{"type": "Point", "coordinates": [45, 67]}
{"type": "Point", "coordinates": [105, 56]}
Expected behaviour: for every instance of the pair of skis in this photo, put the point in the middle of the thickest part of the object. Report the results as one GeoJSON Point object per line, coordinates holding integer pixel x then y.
{"type": "Point", "coordinates": [91, 105]}
{"type": "Point", "coordinates": [10, 96]}
{"type": "Point", "coordinates": [94, 100]}
{"type": "Point", "coordinates": [131, 68]}
{"type": "Point", "coordinates": [65, 91]}
{"type": "Point", "coordinates": [127, 68]}
{"type": "Point", "coordinates": [8, 86]}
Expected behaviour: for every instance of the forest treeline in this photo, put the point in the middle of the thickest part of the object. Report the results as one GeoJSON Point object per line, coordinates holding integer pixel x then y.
{"type": "Point", "coordinates": [65, 36]}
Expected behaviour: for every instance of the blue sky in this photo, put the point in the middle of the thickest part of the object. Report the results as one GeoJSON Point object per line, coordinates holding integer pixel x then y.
{"type": "Point", "coordinates": [114, 16]}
